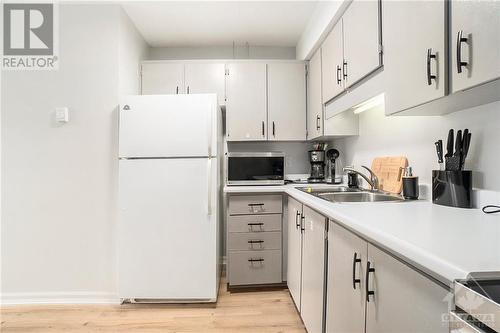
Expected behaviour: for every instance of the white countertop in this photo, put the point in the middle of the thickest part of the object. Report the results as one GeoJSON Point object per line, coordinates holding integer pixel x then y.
{"type": "Point", "coordinates": [446, 243]}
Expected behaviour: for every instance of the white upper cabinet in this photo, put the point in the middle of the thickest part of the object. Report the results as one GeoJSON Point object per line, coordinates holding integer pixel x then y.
{"type": "Point", "coordinates": [246, 104]}
{"type": "Point", "coordinates": [414, 53]}
{"type": "Point", "coordinates": [332, 59]}
{"type": "Point", "coordinates": [162, 78]}
{"type": "Point", "coordinates": [361, 31]}
{"type": "Point", "coordinates": [314, 98]}
{"type": "Point", "coordinates": [286, 101]}
{"type": "Point", "coordinates": [202, 78]}
{"type": "Point", "coordinates": [475, 43]}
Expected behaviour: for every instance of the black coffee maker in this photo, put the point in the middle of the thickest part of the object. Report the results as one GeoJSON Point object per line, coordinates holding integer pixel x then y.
{"type": "Point", "coordinates": [317, 160]}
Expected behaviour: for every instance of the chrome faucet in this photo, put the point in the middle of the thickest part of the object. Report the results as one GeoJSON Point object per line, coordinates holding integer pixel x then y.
{"type": "Point", "coordinates": [372, 181]}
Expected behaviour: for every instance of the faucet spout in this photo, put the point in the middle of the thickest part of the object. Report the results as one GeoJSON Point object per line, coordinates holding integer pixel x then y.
{"type": "Point", "coordinates": [372, 181]}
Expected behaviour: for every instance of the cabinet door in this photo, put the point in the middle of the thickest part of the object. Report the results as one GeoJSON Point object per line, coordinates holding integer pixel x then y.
{"type": "Point", "coordinates": [347, 255]}
{"type": "Point", "coordinates": [361, 28]}
{"type": "Point", "coordinates": [479, 23]}
{"type": "Point", "coordinates": [332, 58]}
{"type": "Point", "coordinates": [294, 261]}
{"type": "Point", "coordinates": [286, 101]}
{"type": "Point", "coordinates": [314, 98]}
{"type": "Point", "coordinates": [414, 53]}
{"type": "Point", "coordinates": [162, 78]}
{"type": "Point", "coordinates": [313, 269]}
{"type": "Point", "coordinates": [246, 112]}
{"type": "Point", "coordinates": [403, 300]}
{"type": "Point", "coordinates": [206, 78]}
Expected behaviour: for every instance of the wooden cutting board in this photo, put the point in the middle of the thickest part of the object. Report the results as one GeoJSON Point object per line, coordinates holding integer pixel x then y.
{"type": "Point", "coordinates": [390, 171]}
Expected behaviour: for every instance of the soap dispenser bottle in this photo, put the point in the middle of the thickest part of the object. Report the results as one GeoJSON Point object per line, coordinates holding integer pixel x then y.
{"type": "Point", "coordinates": [410, 185]}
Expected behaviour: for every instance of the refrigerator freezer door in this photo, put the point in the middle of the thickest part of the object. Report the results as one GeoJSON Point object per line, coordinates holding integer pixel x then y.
{"type": "Point", "coordinates": [168, 126]}
{"type": "Point", "coordinates": [167, 230]}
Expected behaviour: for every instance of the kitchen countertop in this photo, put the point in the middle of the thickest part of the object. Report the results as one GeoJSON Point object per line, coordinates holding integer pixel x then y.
{"type": "Point", "coordinates": [443, 242]}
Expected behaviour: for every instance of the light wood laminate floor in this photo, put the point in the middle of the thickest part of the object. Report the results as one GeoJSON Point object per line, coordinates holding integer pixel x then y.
{"type": "Point", "coordinates": [244, 312]}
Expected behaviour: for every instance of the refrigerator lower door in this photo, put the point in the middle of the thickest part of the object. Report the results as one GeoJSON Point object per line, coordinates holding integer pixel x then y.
{"type": "Point", "coordinates": [168, 224]}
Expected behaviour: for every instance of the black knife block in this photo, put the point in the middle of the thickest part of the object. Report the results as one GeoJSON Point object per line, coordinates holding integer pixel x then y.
{"type": "Point", "coordinates": [452, 188]}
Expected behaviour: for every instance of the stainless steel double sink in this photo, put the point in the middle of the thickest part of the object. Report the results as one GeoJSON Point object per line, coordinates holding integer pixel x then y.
{"type": "Point", "coordinates": [346, 194]}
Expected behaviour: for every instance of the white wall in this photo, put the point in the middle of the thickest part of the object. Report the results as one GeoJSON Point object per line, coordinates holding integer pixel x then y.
{"type": "Point", "coordinates": [221, 52]}
{"type": "Point", "coordinates": [324, 17]}
{"type": "Point", "coordinates": [59, 181]}
{"type": "Point", "coordinates": [414, 137]}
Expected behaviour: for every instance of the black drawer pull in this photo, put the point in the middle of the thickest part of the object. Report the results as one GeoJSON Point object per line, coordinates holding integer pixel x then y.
{"type": "Point", "coordinates": [256, 260]}
{"type": "Point", "coordinates": [460, 39]}
{"type": "Point", "coordinates": [354, 262]}
{"type": "Point", "coordinates": [257, 223]}
{"type": "Point", "coordinates": [369, 292]}
{"type": "Point", "coordinates": [255, 204]}
{"type": "Point", "coordinates": [255, 241]}
{"type": "Point", "coordinates": [297, 224]}
{"type": "Point", "coordinates": [430, 56]}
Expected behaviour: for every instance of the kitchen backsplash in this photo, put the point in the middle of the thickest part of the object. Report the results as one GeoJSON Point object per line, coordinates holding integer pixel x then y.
{"type": "Point", "coordinates": [414, 137]}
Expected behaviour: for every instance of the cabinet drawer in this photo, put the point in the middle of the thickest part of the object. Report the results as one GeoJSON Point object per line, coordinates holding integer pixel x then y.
{"type": "Point", "coordinates": [254, 267]}
{"type": "Point", "coordinates": [254, 241]}
{"type": "Point", "coordinates": [255, 204]}
{"type": "Point", "coordinates": [254, 223]}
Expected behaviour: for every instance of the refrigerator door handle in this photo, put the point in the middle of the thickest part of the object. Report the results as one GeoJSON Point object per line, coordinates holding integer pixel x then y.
{"type": "Point", "coordinates": [210, 128]}
{"type": "Point", "coordinates": [209, 180]}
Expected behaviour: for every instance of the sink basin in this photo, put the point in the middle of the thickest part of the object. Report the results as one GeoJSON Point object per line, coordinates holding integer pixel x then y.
{"type": "Point", "coordinates": [359, 197]}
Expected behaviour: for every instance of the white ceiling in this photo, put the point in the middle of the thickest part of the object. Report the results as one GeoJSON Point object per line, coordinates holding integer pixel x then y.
{"type": "Point", "coordinates": [218, 23]}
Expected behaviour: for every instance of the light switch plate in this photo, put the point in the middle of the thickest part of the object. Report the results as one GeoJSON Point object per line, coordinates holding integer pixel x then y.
{"type": "Point", "coordinates": [62, 115]}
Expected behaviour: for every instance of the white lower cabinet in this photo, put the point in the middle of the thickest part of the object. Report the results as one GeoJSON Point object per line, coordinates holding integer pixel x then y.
{"type": "Point", "coordinates": [306, 263]}
{"type": "Point", "coordinates": [347, 255]}
{"type": "Point", "coordinates": [294, 254]}
{"type": "Point", "coordinates": [404, 300]}
{"type": "Point", "coordinates": [313, 270]}
{"type": "Point", "coordinates": [371, 291]}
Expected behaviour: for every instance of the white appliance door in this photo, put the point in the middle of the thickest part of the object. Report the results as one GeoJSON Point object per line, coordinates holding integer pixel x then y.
{"type": "Point", "coordinates": [168, 229]}
{"type": "Point", "coordinates": [168, 126]}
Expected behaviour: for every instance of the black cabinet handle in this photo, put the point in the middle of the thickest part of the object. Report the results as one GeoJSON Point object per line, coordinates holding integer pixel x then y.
{"type": "Point", "coordinates": [460, 40]}
{"type": "Point", "coordinates": [274, 129]}
{"type": "Point", "coordinates": [297, 224]}
{"type": "Point", "coordinates": [430, 56]}
{"type": "Point", "coordinates": [257, 223]}
{"type": "Point", "coordinates": [354, 262]}
{"type": "Point", "coordinates": [177, 90]}
{"type": "Point", "coordinates": [339, 79]}
{"type": "Point", "coordinates": [263, 128]}
{"type": "Point", "coordinates": [188, 89]}
{"type": "Point", "coordinates": [318, 126]}
{"type": "Point", "coordinates": [255, 241]}
{"type": "Point", "coordinates": [255, 204]}
{"type": "Point", "coordinates": [369, 292]}
{"type": "Point", "coordinates": [256, 260]}
{"type": "Point", "coordinates": [302, 222]}
{"type": "Point", "coordinates": [344, 69]}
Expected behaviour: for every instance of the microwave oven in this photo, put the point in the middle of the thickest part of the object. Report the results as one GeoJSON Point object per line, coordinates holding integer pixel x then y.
{"type": "Point", "coordinates": [255, 168]}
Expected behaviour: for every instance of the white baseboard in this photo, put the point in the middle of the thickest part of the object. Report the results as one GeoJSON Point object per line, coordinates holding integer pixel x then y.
{"type": "Point", "coordinates": [10, 299]}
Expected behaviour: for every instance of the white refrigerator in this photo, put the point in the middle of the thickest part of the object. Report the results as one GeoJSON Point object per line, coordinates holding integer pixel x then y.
{"type": "Point", "coordinates": [169, 195]}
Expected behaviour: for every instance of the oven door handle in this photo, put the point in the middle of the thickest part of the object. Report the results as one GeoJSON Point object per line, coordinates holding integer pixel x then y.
{"type": "Point", "coordinates": [459, 325]}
